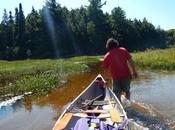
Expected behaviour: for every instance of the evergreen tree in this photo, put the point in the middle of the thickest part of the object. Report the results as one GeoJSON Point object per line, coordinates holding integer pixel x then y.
{"type": "Point", "coordinates": [97, 27]}
{"type": "Point", "coordinates": [118, 24]}
{"type": "Point", "coordinates": [10, 37]}
{"type": "Point", "coordinates": [33, 30]}
{"type": "Point", "coordinates": [58, 30]}
{"type": "Point", "coordinates": [4, 35]}
{"type": "Point", "coordinates": [10, 30]}
{"type": "Point", "coordinates": [77, 20]}
{"type": "Point", "coordinates": [21, 42]}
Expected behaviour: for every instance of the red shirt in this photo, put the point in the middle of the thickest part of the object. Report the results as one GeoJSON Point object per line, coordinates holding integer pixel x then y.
{"type": "Point", "coordinates": [116, 60]}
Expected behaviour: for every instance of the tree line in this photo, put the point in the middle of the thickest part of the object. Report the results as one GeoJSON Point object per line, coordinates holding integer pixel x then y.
{"type": "Point", "coordinates": [55, 31]}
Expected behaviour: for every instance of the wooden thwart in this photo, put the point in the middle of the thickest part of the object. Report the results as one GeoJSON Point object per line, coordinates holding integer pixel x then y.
{"type": "Point", "coordinates": [95, 111]}
{"type": "Point", "coordinates": [99, 103]}
{"type": "Point", "coordinates": [91, 101]}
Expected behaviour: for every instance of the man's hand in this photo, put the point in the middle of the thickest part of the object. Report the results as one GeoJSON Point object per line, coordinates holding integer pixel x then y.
{"type": "Point", "coordinates": [134, 74]}
{"type": "Point", "coordinates": [132, 65]}
{"type": "Point", "coordinates": [107, 80]}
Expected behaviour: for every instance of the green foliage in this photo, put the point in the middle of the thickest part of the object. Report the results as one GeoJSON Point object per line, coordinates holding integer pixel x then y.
{"type": "Point", "coordinates": [38, 84]}
{"type": "Point", "coordinates": [171, 37]}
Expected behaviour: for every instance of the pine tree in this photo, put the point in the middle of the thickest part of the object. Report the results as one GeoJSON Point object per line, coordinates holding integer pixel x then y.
{"type": "Point", "coordinates": [21, 42]}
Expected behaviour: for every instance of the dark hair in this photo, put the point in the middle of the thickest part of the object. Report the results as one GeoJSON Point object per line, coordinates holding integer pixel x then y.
{"type": "Point", "coordinates": [112, 43]}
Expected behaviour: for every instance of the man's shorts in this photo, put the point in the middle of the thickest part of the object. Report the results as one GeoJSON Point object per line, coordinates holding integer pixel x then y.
{"type": "Point", "coordinates": [122, 85]}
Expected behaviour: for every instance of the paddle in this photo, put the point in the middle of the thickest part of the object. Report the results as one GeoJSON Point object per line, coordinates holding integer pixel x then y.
{"type": "Point", "coordinates": [62, 123]}
{"type": "Point", "coordinates": [115, 115]}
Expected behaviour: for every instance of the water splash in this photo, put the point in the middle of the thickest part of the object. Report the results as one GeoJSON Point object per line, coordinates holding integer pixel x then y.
{"type": "Point", "coordinates": [146, 117]}
{"type": "Point", "coordinates": [13, 100]}
{"type": "Point", "coordinates": [10, 101]}
{"type": "Point", "coordinates": [135, 126]}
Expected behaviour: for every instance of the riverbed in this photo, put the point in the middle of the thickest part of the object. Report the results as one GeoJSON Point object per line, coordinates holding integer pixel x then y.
{"type": "Point", "coordinates": [152, 92]}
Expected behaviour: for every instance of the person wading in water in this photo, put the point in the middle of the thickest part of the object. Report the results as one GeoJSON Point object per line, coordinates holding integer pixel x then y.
{"type": "Point", "coordinates": [119, 63]}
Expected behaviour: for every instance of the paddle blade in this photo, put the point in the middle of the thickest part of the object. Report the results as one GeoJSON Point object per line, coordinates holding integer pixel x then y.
{"type": "Point", "coordinates": [61, 124]}
{"type": "Point", "coordinates": [115, 115]}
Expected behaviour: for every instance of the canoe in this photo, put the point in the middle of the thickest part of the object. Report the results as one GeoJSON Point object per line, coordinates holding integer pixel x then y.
{"type": "Point", "coordinates": [95, 108]}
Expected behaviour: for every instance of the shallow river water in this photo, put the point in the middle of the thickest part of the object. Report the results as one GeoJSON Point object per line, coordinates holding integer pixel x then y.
{"type": "Point", "coordinates": [152, 95]}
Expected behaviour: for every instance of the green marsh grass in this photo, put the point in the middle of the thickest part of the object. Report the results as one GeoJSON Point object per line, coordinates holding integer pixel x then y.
{"type": "Point", "coordinates": [161, 59]}
{"type": "Point", "coordinates": [39, 76]}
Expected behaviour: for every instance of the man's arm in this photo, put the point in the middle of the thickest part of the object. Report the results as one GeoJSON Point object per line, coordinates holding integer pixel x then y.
{"type": "Point", "coordinates": [106, 74]}
{"type": "Point", "coordinates": [133, 69]}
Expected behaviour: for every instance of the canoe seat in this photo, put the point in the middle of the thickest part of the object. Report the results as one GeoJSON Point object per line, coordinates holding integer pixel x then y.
{"type": "Point", "coordinates": [99, 103]}
{"type": "Point", "coordinates": [84, 115]}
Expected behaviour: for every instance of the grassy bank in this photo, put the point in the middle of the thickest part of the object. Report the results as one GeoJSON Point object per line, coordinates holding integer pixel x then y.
{"type": "Point", "coordinates": [42, 76]}
{"type": "Point", "coordinates": [39, 76]}
{"type": "Point", "coordinates": [156, 59]}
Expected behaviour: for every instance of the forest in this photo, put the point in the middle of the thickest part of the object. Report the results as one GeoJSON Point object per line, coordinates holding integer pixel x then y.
{"type": "Point", "coordinates": [56, 32]}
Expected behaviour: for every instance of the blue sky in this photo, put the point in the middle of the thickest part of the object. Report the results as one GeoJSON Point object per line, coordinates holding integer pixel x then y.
{"type": "Point", "coordinates": [158, 12]}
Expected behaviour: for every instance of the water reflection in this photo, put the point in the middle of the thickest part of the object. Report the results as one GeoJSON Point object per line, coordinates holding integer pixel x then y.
{"type": "Point", "coordinates": [5, 111]}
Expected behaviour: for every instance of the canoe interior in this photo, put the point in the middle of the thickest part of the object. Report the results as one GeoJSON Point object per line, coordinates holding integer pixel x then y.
{"type": "Point", "coordinates": [99, 94]}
